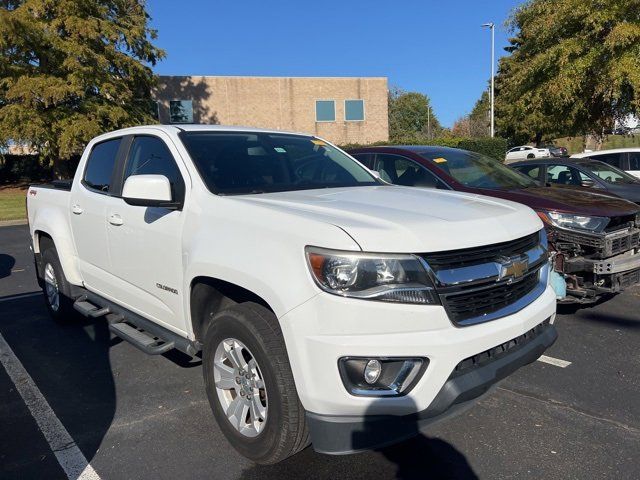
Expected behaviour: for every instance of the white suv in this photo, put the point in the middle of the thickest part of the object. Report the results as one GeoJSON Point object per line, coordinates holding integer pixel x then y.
{"type": "Point", "coordinates": [329, 307]}
{"type": "Point", "coordinates": [627, 159]}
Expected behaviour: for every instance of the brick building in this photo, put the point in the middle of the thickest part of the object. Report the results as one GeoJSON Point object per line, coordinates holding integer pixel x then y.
{"type": "Point", "coordinates": [342, 110]}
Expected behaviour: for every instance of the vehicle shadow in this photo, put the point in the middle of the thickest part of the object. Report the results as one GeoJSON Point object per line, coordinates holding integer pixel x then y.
{"type": "Point", "coordinates": [6, 264]}
{"type": "Point", "coordinates": [420, 457]}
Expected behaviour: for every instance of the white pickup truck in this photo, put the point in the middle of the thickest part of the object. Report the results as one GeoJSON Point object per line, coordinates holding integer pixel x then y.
{"type": "Point", "coordinates": [328, 307]}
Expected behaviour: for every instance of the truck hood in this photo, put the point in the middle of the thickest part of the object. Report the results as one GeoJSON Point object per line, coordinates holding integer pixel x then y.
{"type": "Point", "coordinates": [407, 220]}
{"type": "Point", "coordinates": [578, 200]}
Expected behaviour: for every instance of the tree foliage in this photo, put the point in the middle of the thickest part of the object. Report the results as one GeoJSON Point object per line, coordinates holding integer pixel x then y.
{"type": "Point", "coordinates": [573, 70]}
{"type": "Point", "coordinates": [411, 116]}
{"type": "Point", "coordinates": [72, 69]}
{"type": "Point", "coordinates": [477, 124]}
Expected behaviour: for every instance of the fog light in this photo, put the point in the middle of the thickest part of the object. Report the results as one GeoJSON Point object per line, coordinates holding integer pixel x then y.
{"type": "Point", "coordinates": [372, 371]}
{"type": "Point", "coordinates": [381, 376]}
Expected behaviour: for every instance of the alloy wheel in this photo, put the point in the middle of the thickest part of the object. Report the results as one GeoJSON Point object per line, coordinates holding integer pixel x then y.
{"type": "Point", "coordinates": [240, 387]}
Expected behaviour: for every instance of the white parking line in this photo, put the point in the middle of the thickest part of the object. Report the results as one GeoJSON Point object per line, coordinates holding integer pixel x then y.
{"type": "Point", "coordinates": [67, 453]}
{"type": "Point", "coordinates": [19, 296]}
{"type": "Point", "coordinates": [554, 361]}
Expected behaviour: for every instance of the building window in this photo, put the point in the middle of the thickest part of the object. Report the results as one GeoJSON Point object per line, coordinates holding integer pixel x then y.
{"type": "Point", "coordinates": [354, 110]}
{"type": "Point", "coordinates": [325, 111]}
{"type": "Point", "coordinates": [181, 111]}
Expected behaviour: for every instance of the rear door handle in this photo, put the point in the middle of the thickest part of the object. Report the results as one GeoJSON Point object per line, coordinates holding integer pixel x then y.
{"type": "Point", "coordinates": [76, 209]}
{"type": "Point", "coordinates": [115, 219]}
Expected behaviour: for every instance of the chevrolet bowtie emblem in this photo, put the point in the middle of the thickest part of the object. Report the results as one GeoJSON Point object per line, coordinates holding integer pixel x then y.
{"type": "Point", "coordinates": [512, 268]}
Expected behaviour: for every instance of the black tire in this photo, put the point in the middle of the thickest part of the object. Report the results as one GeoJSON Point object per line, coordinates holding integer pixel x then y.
{"type": "Point", "coordinates": [64, 312]}
{"type": "Point", "coordinates": [285, 431]}
{"type": "Point", "coordinates": [530, 156]}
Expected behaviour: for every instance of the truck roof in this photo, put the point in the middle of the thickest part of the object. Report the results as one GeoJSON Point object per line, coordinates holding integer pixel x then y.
{"type": "Point", "coordinates": [172, 128]}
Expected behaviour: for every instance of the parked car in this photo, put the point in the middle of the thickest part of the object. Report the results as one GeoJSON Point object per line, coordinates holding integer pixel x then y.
{"type": "Point", "coordinates": [328, 306]}
{"type": "Point", "coordinates": [594, 237]}
{"type": "Point", "coordinates": [627, 159]}
{"type": "Point", "coordinates": [526, 152]}
{"type": "Point", "coordinates": [556, 151]}
{"type": "Point", "coordinates": [582, 172]}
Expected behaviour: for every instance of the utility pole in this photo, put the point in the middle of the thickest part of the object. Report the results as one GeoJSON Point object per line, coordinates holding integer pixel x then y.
{"type": "Point", "coordinates": [429, 122]}
{"type": "Point", "coordinates": [491, 27]}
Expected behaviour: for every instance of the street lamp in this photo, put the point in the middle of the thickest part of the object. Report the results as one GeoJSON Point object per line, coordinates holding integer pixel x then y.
{"type": "Point", "coordinates": [491, 26]}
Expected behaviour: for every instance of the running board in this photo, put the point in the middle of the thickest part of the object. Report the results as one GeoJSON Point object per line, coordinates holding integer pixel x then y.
{"type": "Point", "coordinates": [139, 338]}
{"type": "Point", "coordinates": [88, 309]}
{"type": "Point", "coordinates": [145, 334]}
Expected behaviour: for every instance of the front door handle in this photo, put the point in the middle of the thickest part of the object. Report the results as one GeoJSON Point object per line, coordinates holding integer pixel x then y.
{"type": "Point", "coordinates": [76, 209]}
{"type": "Point", "coordinates": [115, 219]}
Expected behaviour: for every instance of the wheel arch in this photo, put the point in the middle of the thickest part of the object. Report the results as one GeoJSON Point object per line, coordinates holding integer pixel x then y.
{"type": "Point", "coordinates": [209, 294]}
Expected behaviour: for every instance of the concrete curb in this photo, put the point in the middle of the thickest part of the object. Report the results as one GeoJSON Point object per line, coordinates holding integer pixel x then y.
{"type": "Point", "coordinates": [11, 223]}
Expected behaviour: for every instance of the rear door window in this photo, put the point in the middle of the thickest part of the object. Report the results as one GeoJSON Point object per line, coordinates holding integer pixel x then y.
{"type": "Point", "coordinates": [614, 159]}
{"type": "Point", "coordinates": [634, 161]}
{"type": "Point", "coordinates": [99, 170]}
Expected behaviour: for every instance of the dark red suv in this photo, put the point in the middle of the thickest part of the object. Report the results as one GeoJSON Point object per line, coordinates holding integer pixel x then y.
{"type": "Point", "coordinates": [594, 237]}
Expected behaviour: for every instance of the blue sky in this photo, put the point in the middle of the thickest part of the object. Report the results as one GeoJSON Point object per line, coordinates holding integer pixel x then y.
{"type": "Point", "coordinates": [429, 46]}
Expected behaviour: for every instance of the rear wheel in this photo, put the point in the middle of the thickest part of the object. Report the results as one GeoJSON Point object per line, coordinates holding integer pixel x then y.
{"type": "Point", "coordinates": [250, 385]}
{"type": "Point", "coordinates": [55, 287]}
{"type": "Point", "coordinates": [530, 156]}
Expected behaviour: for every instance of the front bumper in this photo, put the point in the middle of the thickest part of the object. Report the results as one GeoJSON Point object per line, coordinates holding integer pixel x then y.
{"type": "Point", "coordinates": [327, 327]}
{"type": "Point", "coordinates": [334, 434]}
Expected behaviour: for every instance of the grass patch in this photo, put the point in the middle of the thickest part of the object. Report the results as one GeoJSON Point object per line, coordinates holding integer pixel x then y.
{"type": "Point", "coordinates": [12, 203]}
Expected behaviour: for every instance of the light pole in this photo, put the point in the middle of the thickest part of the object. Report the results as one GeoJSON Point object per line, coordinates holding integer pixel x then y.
{"type": "Point", "coordinates": [491, 26]}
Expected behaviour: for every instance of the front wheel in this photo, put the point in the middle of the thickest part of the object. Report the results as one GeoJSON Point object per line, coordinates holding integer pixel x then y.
{"type": "Point", "coordinates": [250, 385]}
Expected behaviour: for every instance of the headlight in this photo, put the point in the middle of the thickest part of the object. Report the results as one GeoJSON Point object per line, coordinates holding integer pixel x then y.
{"type": "Point", "coordinates": [387, 278]}
{"type": "Point", "coordinates": [575, 222]}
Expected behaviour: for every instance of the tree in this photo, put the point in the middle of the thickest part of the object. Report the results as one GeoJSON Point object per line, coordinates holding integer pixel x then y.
{"type": "Point", "coordinates": [573, 68]}
{"type": "Point", "coordinates": [72, 69]}
{"type": "Point", "coordinates": [462, 127]}
{"type": "Point", "coordinates": [411, 115]}
{"type": "Point", "coordinates": [480, 117]}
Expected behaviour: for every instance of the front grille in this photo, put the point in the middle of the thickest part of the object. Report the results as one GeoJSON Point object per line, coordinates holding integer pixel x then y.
{"type": "Point", "coordinates": [482, 301]}
{"type": "Point", "coordinates": [482, 358]}
{"type": "Point", "coordinates": [603, 246]}
{"type": "Point", "coordinates": [629, 279]}
{"type": "Point", "coordinates": [478, 255]}
{"type": "Point", "coordinates": [624, 244]}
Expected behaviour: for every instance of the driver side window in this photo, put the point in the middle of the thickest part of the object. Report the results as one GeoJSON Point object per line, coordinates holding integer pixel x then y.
{"type": "Point", "coordinates": [564, 175]}
{"type": "Point", "coordinates": [149, 155]}
{"type": "Point", "coordinates": [402, 171]}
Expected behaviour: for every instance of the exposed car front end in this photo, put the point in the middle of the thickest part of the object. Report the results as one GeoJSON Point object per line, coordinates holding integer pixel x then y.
{"type": "Point", "coordinates": [596, 255]}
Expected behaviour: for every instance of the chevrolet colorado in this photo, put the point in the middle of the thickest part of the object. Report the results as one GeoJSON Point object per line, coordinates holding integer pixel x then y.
{"type": "Point", "coordinates": [328, 306]}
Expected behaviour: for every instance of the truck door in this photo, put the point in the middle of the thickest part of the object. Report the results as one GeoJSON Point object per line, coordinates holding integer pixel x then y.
{"type": "Point", "coordinates": [145, 243]}
{"type": "Point", "coordinates": [87, 216]}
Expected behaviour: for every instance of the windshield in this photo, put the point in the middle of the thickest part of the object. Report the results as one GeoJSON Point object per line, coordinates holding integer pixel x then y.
{"type": "Point", "coordinates": [476, 170]}
{"type": "Point", "coordinates": [237, 163]}
{"type": "Point", "coordinates": [610, 174]}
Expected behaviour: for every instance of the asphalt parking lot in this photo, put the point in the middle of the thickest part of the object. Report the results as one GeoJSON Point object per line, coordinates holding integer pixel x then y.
{"type": "Point", "coordinates": [137, 416]}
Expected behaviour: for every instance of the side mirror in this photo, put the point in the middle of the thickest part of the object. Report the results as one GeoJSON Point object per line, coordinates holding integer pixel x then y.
{"type": "Point", "coordinates": [148, 191]}
{"type": "Point", "coordinates": [589, 183]}
{"type": "Point", "coordinates": [376, 174]}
